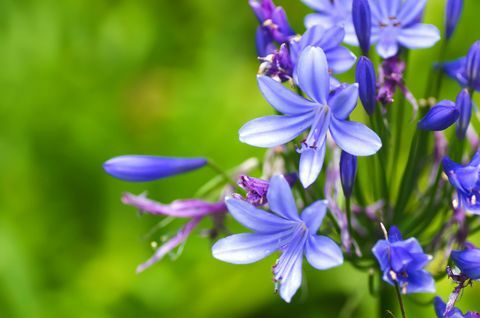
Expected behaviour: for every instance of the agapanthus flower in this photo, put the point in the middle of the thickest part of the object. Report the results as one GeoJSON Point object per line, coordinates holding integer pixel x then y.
{"type": "Point", "coordinates": [322, 112]}
{"type": "Point", "coordinates": [468, 261]}
{"type": "Point", "coordinates": [453, 11]}
{"type": "Point", "coordinates": [396, 23]}
{"type": "Point", "coordinates": [281, 230]}
{"type": "Point", "coordinates": [138, 168]}
{"type": "Point", "coordinates": [257, 188]}
{"type": "Point", "coordinates": [446, 113]}
{"type": "Point", "coordinates": [402, 262]}
{"type": "Point", "coordinates": [466, 70]}
{"type": "Point", "coordinates": [440, 310]}
{"type": "Point", "coordinates": [330, 13]}
{"type": "Point", "coordinates": [274, 26]}
{"type": "Point", "coordinates": [193, 209]}
{"type": "Point", "coordinates": [466, 180]}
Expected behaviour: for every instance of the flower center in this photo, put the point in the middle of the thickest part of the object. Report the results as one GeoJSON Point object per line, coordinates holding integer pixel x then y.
{"type": "Point", "coordinates": [392, 21]}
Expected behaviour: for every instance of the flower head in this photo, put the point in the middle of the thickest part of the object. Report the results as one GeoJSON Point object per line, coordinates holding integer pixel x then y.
{"type": "Point", "coordinates": [148, 168]}
{"type": "Point", "coordinates": [468, 261]}
{"type": "Point", "coordinates": [322, 112]}
{"type": "Point", "coordinates": [274, 26]}
{"type": "Point", "coordinates": [446, 113]}
{"type": "Point", "coordinates": [396, 23]}
{"type": "Point", "coordinates": [402, 263]}
{"type": "Point", "coordinates": [466, 70]}
{"type": "Point", "coordinates": [282, 230]}
{"type": "Point", "coordinates": [441, 307]}
{"type": "Point", "coordinates": [466, 180]}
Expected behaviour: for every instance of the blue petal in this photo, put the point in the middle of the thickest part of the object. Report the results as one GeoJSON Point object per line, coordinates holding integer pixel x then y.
{"type": "Point", "coordinates": [312, 74]}
{"type": "Point", "coordinates": [355, 138]}
{"type": "Point", "coordinates": [313, 215]}
{"type": "Point", "coordinates": [280, 198]}
{"type": "Point", "coordinates": [440, 307]}
{"type": "Point", "coordinates": [381, 250]}
{"type": "Point", "coordinates": [387, 45]}
{"type": "Point", "coordinates": [464, 105]}
{"type": "Point", "coordinates": [419, 36]}
{"type": "Point", "coordinates": [311, 162]}
{"type": "Point", "coordinates": [468, 261]}
{"type": "Point", "coordinates": [331, 38]}
{"type": "Point", "coordinates": [248, 248]}
{"type": "Point", "coordinates": [440, 117]}
{"type": "Point", "coordinates": [394, 234]}
{"type": "Point", "coordinates": [256, 219]}
{"type": "Point", "coordinates": [292, 282]}
{"type": "Point", "coordinates": [263, 42]}
{"type": "Point", "coordinates": [323, 253]}
{"type": "Point", "coordinates": [137, 168]}
{"type": "Point", "coordinates": [282, 99]}
{"type": "Point", "coordinates": [411, 11]}
{"type": "Point", "coordinates": [318, 5]}
{"type": "Point", "coordinates": [420, 282]}
{"type": "Point", "coordinates": [344, 102]}
{"type": "Point", "coordinates": [272, 131]}
{"type": "Point", "coordinates": [321, 19]}
{"type": "Point", "coordinates": [340, 59]}
{"type": "Point", "coordinates": [457, 70]}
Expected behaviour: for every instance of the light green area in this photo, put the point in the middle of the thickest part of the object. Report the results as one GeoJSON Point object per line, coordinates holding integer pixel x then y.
{"type": "Point", "coordinates": [82, 81]}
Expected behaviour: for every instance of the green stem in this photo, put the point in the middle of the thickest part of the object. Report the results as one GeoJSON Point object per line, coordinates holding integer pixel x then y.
{"type": "Point", "coordinates": [400, 300]}
{"type": "Point", "coordinates": [222, 173]}
{"type": "Point", "coordinates": [348, 207]}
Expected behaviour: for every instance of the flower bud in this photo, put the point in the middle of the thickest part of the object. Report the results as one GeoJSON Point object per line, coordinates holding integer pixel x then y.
{"type": "Point", "coordinates": [366, 79]}
{"type": "Point", "coordinates": [348, 172]}
{"type": "Point", "coordinates": [362, 22]}
{"type": "Point", "coordinates": [468, 261]}
{"type": "Point", "coordinates": [464, 105]}
{"type": "Point", "coordinates": [453, 11]}
{"type": "Point", "coordinates": [440, 116]}
{"type": "Point", "coordinates": [148, 168]}
{"type": "Point", "coordinates": [473, 66]}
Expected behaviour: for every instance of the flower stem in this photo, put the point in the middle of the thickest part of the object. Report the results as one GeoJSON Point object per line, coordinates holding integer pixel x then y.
{"type": "Point", "coordinates": [348, 207]}
{"type": "Point", "coordinates": [222, 173]}
{"type": "Point", "coordinates": [400, 300]}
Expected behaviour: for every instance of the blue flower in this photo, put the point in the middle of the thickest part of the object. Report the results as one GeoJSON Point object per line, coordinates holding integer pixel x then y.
{"type": "Point", "coordinates": [332, 13]}
{"type": "Point", "coordinates": [453, 11]}
{"type": "Point", "coordinates": [468, 261]}
{"type": "Point", "coordinates": [273, 26]}
{"type": "Point", "coordinates": [466, 180]}
{"type": "Point", "coordinates": [446, 113]}
{"type": "Point", "coordinates": [402, 262]}
{"type": "Point", "coordinates": [283, 230]}
{"type": "Point", "coordinates": [466, 70]}
{"type": "Point", "coordinates": [137, 168]}
{"type": "Point", "coordinates": [396, 23]}
{"type": "Point", "coordinates": [440, 308]}
{"type": "Point", "coordinates": [321, 113]}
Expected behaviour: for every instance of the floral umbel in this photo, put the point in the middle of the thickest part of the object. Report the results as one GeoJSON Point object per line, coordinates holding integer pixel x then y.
{"type": "Point", "coordinates": [360, 170]}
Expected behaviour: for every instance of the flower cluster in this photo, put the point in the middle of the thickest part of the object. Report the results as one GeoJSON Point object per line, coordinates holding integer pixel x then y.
{"type": "Point", "coordinates": [432, 197]}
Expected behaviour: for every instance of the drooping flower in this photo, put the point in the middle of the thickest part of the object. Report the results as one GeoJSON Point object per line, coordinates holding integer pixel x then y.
{"type": "Point", "coordinates": [453, 11]}
{"type": "Point", "coordinates": [281, 64]}
{"type": "Point", "coordinates": [322, 112]}
{"type": "Point", "coordinates": [446, 113]}
{"type": "Point", "coordinates": [402, 262]}
{"type": "Point", "coordinates": [282, 230]}
{"type": "Point", "coordinates": [138, 168]}
{"type": "Point", "coordinates": [466, 180]}
{"type": "Point", "coordinates": [193, 209]}
{"type": "Point", "coordinates": [466, 70]}
{"type": "Point", "coordinates": [367, 84]}
{"type": "Point", "coordinates": [362, 22]}
{"type": "Point", "coordinates": [440, 310]}
{"type": "Point", "coordinates": [274, 26]}
{"type": "Point", "coordinates": [468, 261]}
{"type": "Point", "coordinates": [330, 13]}
{"type": "Point", "coordinates": [397, 24]}
{"type": "Point", "coordinates": [348, 172]}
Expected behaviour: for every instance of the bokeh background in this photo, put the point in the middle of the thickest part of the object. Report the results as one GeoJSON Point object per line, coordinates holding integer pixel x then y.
{"type": "Point", "coordinates": [82, 81]}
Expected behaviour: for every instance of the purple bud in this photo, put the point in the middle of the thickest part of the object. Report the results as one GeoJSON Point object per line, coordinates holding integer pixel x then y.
{"type": "Point", "coordinates": [453, 10]}
{"type": "Point", "coordinates": [473, 65]}
{"type": "Point", "coordinates": [464, 105]}
{"type": "Point", "coordinates": [348, 172]}
{"type": "Point", "coordinates": [362, 22]}
{"type": "Point", "coordinates": [263, 10]}
{"type": "Point", "coordinates": [366, 79]}
{"type": "Point", "coordinates": [440, 116]}
{"type": "Point", "coordinates": [468, 261]}
{"type": "Point", "coordinates": [148, 168]}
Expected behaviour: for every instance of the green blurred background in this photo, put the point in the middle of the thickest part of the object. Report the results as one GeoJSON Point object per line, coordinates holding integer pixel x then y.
{"type": "Point", "coordinates": [83, 81]}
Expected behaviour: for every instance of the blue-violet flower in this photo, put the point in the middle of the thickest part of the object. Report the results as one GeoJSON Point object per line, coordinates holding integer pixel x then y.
{"type": "Point", "coordinates": [453, 11]}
